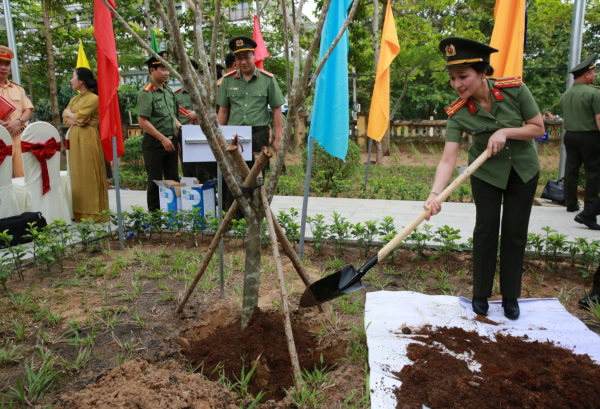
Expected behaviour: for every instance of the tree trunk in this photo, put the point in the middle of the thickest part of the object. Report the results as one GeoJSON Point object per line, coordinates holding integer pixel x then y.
{"type": "Point", "coordinates": [252, 266]}
{"type": "Point", "coordinates": [56, 121]}
{"type": "Point", "coordinates": [148, 21]}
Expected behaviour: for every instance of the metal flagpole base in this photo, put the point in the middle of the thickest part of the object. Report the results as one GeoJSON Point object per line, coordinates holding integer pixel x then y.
{"type": "Point", "coordinates": [118, 192]}
{"type": "Point", "coordinates": [311, 147]}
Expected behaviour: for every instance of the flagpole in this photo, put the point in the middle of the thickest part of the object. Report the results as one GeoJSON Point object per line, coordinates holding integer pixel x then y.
{"type": "Point", "coordinates": [12, 44]}
{"type": "Point", "coordinates": [368, 163]}
{"type": "Point", "coordinates": [118, 192]}
{"type": "Point", "coordinates": [220, 210]}
{"type": "Point", "coordinates": [574, 59]}
{"type": "Point", "coordinates": [311, 146]}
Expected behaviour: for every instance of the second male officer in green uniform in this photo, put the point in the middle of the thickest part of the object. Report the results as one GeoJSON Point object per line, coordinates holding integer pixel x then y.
{"type": "Point", "coordinates": [246, 94]}
{"type": "Point", "coordinates": [157, 116]}
{"type": "Point", "coordinates": [580, 105]}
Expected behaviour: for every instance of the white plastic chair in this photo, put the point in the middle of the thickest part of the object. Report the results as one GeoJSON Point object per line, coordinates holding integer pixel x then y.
{"type": "Point", "coordinates": [28, 190]}
{"type": "Point", "coordinates": [8, 205]}
{"type": "Point", "coordinates": [65, 177]}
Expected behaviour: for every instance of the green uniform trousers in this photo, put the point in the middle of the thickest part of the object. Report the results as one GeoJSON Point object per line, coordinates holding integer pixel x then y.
{"type": "Point", "coordinates": [260, 138]}
{"type": "Point", "coordinates": [582, 148]}
{"type": "Point", "coordinates": [518, 199]}
{"type": "Point", "coordinates": [160, 165]}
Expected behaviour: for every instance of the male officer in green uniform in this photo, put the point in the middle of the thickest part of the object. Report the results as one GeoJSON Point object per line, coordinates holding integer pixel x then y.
{"type": "Point", "coordinates": [157, 116]}
{"type": "Point", "coordinates": [245, 95]}
{"type": "Point", "coordinates": [581, 112]}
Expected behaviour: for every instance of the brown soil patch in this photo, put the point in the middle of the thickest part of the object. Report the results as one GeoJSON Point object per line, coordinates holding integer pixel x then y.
{"type": "Point", "coordinates": [139, 384]}
{"type": "Point", "coordinates": [485, 320]}
{"type": "Point", "coordinates": [264, 339]}
{"type": "Point", "coordinates": [513, 373]}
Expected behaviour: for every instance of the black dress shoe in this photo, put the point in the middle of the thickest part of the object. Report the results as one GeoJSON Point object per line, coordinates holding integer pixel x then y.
{"type": "Point", "coordinates": [572, 209]}
{"type": "Point", "coordinates": [588, 221]}
{"type": "Point", "coordinates": [511, 308]}
{"type": "Point", "coordinates": [590, 299]}
{"type": "Point", "coordinates": [480, 305]}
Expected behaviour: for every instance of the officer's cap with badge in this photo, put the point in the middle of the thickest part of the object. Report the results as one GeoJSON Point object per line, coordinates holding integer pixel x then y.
{"type": "Point", "coordinates": [461, 52]}
{"type": "Point", "coordinates": [6, 54]}
{"type": "Point", "coordinates": [241, 44]}
{"type": "Point", "coordinates": [153, 62]}
{"type": "Point", "coordinates": [585, 66]}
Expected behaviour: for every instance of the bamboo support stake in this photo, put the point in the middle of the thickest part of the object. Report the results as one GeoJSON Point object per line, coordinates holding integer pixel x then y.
{"type": "Point", "coordinates": [284, 298]}
{"type": "Point", "coordinates": [248, 182]}
{"type": "Point", "coordinates": [236, 156]}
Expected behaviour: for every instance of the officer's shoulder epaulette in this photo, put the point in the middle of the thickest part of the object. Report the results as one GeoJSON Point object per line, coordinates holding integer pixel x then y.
{"type": "Point", "coordinates": [177, 90]}
{"type": "Point", "coordinates": [12, 82]}
{"type": "Point", "coordinates": [508, 82]}
{"type": "Point", "coordinates": [594, 86]}
{"type": "Point", "coordinates": [452, 109]}
{"type": "Point", "coordinates": [148, 87]}
{"type": "Point", "coordinates": [267, 73]}
{"type": "Point", "coordinates": [229, 73]}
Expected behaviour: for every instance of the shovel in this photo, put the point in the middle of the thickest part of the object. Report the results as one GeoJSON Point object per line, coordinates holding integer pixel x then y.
{"type": "Point", "coordinates": [348, 280]}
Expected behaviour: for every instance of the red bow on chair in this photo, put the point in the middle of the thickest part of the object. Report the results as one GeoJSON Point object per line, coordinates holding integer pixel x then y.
{"type": "Point", "coordinates": [4, 151]}
{"type": "Point", "coordinates": [42, 152]}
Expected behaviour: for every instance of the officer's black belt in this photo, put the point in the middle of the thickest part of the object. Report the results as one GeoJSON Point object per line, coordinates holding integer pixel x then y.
{"type": "Point", "coordinates": [259, 128]}
{"type": "Point", "coordinates": [246, 190]}
{"type": "Point", "coordinates": [170, 137]}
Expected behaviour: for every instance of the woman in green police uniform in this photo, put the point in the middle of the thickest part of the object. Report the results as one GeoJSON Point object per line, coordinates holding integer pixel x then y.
{"type": "Point", "coordinates": [503, 118]}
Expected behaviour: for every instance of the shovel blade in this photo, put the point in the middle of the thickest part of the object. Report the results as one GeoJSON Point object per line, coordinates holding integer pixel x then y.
{"type": "Point", "coordinates": [342, 282]}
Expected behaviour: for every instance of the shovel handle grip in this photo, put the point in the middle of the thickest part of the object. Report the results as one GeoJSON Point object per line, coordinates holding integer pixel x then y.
{"type": "Point", "coordinates": [441, 198]}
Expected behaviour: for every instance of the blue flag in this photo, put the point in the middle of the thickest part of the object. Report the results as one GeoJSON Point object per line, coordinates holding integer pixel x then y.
{"type": "Point", "coordinates": [330, 121]}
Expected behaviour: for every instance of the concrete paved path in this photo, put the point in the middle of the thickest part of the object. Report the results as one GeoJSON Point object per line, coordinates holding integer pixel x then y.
{"type": "Point", "coordinates": [456, 215]}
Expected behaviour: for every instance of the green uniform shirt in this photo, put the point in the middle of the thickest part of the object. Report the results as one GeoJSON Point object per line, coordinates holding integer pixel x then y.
{"type": "Point", "coordinates": [580, 105]}
{"type": "Point", "coordinates": [511, 107]}
{"type": "Point", "coordinates": [247, 100]}
{"type": "Point", "coordinates": [183, 99]}
{"type": "Point", "coordinates": [159, 106]}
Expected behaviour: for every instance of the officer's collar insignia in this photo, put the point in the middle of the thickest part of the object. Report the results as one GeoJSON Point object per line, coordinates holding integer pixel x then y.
{"type": "Point", "coordinates": [239, 42]}
{"type": "Point", "coordinates": [450, 51]}
{"type": "Point", "coordinates": [472, 107]}
{"type": "Point", "coordinates": [154, 87]}
{"type": "Point", "coordinates": [497, 95]}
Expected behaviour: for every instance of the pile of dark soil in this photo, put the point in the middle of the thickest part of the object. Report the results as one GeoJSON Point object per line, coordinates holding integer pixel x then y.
{"type": "Point", "coordinates": [514, 373]}
{"type": "Point", "coordinates": [265, 338]}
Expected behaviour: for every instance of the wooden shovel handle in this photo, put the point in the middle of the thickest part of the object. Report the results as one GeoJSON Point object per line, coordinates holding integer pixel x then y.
{"type": "Point", "coordinates": [441, 198]}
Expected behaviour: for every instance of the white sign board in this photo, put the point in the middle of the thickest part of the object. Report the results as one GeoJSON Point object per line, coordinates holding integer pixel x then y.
{"type": "Point", "coordinates": [196, 149]}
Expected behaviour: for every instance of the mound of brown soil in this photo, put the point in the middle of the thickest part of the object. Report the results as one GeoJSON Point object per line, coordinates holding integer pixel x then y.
{"type": "Point", "coordinates": [265, 338]}
{"type": "Point", "coordinates": [138, 384]}
{"type": "Point", "coordinates": [514, 373]}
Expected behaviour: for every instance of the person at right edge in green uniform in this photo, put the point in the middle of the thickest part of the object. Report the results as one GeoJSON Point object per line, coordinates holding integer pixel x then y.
{"type": "Point", "coordinates": [503, 118]}
{"type": "Point", "coordinates": [245, 96]}
{"type": "Point", "coordinates": [580, 105]}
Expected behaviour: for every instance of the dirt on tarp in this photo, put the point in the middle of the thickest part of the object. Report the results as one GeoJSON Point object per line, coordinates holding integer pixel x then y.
{"type": "Point", "coordinates": [514, 373]}
{"type": "Point", "coordinates": [264, 337]}
{"type": "Point", "coordinates": [139, 384]}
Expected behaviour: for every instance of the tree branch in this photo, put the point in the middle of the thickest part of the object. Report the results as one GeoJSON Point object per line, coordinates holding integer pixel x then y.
{"type": "Point", "coordinates": [140, 41]}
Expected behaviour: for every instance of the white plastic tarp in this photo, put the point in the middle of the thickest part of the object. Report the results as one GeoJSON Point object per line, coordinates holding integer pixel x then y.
{"type": "Point", "coordinates": [387, 312]}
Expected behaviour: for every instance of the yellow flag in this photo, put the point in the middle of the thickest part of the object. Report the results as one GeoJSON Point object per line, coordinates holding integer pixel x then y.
{"type": "Point", "coordinates": [82, 60]}
{"type": "Point", "coordinates": [379, 115]}
{"type": "Point", "coordinates": [508, 37]}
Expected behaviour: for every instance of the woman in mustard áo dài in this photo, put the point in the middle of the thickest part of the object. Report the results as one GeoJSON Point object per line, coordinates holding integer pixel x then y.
{"type": "Point", "coordinates": [88, 173]}
{"type": "Point", "coordinates": [502, 118]}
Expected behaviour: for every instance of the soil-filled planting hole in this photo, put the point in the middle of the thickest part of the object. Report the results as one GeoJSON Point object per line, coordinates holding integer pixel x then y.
{"type": "Point", "coordinates": [264, 337]}
{"type": "Point", "coordinates": [514, 373]}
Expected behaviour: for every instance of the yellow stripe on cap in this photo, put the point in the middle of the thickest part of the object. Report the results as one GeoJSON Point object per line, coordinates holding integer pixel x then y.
{"type": "Point", "coordinates": [471, 61]}
{"type": "Point", "coordinates": [243, 49]}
